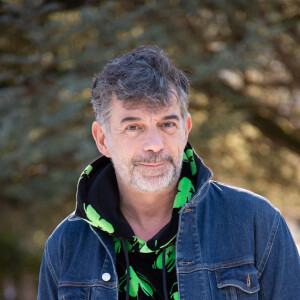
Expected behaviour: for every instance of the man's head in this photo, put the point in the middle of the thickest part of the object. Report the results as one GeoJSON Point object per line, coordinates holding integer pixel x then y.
{"type": "Point", "coordinates": [142, 119]}
{"type": "Point", "coordinates": [144, 75]}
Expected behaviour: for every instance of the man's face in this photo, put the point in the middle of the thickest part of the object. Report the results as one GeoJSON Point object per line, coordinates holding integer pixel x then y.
{"type": "Point", "coordinates": [146, 146]}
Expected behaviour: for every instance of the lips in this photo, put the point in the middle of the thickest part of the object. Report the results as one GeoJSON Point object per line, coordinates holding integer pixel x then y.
{"type": "Point", "coordinates": [152, 165]}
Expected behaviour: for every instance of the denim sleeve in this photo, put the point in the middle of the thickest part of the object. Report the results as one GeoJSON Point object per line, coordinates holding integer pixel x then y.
{"type": "Point", "coordinates": [280, 272]}
{"type": "Point", "coordinates": [48, 280]}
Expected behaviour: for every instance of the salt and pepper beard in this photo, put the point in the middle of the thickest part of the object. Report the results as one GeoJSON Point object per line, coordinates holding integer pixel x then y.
{"type": "Point", "coordinates": [130, 174]}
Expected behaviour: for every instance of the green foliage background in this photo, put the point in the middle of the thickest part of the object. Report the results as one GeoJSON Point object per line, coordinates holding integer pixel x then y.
{"type": "Point", "coordinates": [243, 63]}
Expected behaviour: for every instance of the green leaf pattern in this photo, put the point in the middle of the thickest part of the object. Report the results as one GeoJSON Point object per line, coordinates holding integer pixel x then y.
{"type": "Point", "coordinates": [117, 244]}
{"type": "Point", "coordinates": [169, 259]}
{"type": "Point", "coordinates": [185, 191]}
{"type": "Point", "coordinates": [86, 171]}
{"type": "Point", "coordinates": [188, 156]}
{"type": "Point", "coordinates": [137, 281]}
{"type": "Point", "coordinates": [174, 295]}
{"type": "Point", "coordinates": [95, 220]}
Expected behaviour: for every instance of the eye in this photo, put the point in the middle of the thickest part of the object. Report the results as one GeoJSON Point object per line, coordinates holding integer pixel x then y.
{"type": "Point", "coordinates": [168, 124]}
{"type": "Point", "coordinates": [132, 127]}
{"type": "Point", "coordinates": [169, 127]}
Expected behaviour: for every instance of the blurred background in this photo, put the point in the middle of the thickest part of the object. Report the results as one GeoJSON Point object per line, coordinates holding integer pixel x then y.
{"type": "Point", "coordinates": [243, 62]}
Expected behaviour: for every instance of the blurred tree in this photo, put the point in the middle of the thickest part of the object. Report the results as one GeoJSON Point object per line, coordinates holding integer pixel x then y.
{"type": "Point", "coordinates": [243, 64]}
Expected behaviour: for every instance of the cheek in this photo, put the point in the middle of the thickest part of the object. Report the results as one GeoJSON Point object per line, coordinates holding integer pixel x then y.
{"type": "Point", "coordinates": [121, 155]}
{"type": "Point", "coordinates": [177, 141]}
{"type": "Point", "coordinates": [113, 146]}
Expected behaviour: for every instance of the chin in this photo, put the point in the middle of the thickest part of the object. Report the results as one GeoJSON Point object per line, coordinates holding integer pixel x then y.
{"type": "Point", "coordinates": [153, 185]}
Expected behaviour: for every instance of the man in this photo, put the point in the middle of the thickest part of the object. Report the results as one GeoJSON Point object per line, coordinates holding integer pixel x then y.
{"type": "Point", "coordinates": [149, 221]}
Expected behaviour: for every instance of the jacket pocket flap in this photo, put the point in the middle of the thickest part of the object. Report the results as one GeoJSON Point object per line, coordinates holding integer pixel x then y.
{"type": "Point", "coordinates": [243, 277]}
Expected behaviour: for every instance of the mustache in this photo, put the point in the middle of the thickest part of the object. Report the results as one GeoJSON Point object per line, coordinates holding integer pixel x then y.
{"type": "Point", "coordinates": [152, 158]}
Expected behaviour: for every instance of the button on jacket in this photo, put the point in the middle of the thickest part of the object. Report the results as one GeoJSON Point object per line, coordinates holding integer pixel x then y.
{"type": "Point", "coordinates": [231, 244]}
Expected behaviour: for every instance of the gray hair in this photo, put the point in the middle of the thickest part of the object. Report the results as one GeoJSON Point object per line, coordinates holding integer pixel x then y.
{"type": "Point", "coordinates": [142, 76]}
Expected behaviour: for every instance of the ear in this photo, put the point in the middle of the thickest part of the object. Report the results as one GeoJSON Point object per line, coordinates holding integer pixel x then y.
{"type": "Point", "coordinates": [100, 138]}
{"type": "Point", "coordinates": [188, 127]}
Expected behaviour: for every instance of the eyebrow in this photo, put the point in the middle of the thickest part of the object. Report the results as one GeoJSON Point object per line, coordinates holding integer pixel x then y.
{"type": "Point", "coordinates": [171, 117]}
{"type": "Point", "coordinates": [130, 119]}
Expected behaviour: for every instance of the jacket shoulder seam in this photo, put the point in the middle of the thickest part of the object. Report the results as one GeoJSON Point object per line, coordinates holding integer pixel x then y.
{"type": "Point", "coordinates": [269, 245]}
{"type": "Point", "coordinates": [50, 267]}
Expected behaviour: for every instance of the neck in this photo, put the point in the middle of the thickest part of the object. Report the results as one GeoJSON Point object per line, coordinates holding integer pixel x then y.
{"type": "Point", "coordinates": [147, 213]}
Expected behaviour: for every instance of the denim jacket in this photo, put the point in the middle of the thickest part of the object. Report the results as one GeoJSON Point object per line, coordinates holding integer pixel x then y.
{"type": "Point", "coordinates": [231, 244]}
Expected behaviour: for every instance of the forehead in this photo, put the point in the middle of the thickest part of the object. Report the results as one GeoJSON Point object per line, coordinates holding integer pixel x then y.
{"type": "Point", "coordinates": [120, 108]}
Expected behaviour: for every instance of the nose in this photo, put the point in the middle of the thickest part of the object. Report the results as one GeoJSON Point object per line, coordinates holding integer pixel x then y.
{"type": "Point", "coordinates": [153, 141]}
